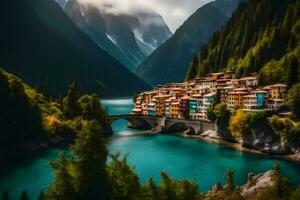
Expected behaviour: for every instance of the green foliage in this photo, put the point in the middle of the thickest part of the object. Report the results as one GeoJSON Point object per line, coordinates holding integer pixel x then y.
{"type": "Point", "coordinates": [229, 181]}
{"type": "Point", "coordinates": [293, 100]}
{"type": "Point", "coordinates": [82, 176]}
{"type": "Point", "coordinates": [123, 180]}
{"type": "Point", "coordinates": [91, 154]}
{"type": "Point", "coordinates": [62, 187]}
{"type": "Point", "coordinates": [262, 36]}
{"type": "Point", "coordinates": [192, 72]}
{"type": "Point", "coordinates": [238, 124]}
{"type": "Point", "coordinates": [70, 103]}
{"type": "Point", "coordinates": [20, 116]}
{"type": "Point", "coordinates": [257, 119]}
{"type": "Point", "coordinates": [281, 126]}
{"type": "Point", "coordinates": [296, 194]}
{"type": "Point", "coordinates": [294, 133]}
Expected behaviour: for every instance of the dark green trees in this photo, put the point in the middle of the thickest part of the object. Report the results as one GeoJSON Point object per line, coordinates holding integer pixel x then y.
{"type": "Point", "coordinates": [62, 188]}
{"type": "Point", "coordinates": [292, 73]}
{"type": "Point", "coordinates": [20, 117]}
{"type": "Point", "coordinates": [262, 36]}
{"type": "Point", "coordinates": [192, 72]}
{"type": "Point", "coordinates": [91, 153]}
{"type": "Point", "coordinates": [293, 100]}
{"type": "Point", "coordinates": [82, 176]}
{"type": "Point", "coordinates": [229, 181]}
{"type": "Point", "coordinates": [70, 102]}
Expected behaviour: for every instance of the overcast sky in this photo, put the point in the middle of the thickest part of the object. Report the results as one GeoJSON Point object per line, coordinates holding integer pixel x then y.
{"type": "Point", "coordinates": [175, 12]}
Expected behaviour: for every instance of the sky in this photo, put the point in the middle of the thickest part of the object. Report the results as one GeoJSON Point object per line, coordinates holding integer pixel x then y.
{"type": "Point", "coordinates": [174, 12]}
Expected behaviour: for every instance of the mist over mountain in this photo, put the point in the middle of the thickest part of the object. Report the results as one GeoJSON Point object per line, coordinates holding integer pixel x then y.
{"type": "Point", "coordinates": [170, 61]}
{"type": "Point", "coordinates": [44, 47]}
{"type": "Point", "coordinates": [128, 37]}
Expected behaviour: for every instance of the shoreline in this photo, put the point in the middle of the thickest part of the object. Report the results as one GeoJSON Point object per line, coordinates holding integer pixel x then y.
{"type": "Point", "coordinates": [291, 157]}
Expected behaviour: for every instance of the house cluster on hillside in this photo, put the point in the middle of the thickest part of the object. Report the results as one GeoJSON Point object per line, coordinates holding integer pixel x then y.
{"type": "Point", "coordinates": [191, 99]}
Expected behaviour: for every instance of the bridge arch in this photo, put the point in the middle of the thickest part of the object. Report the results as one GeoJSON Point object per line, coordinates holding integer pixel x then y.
{"type": "Point", "coordinates": [176, 127]}
{"type": "Point", "coordinates": [140, 122]}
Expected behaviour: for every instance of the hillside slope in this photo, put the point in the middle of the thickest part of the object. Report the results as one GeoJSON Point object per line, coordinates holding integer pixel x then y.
{"type": "Point", "coordinates": [41, 44]}
{"type": "Point", "coordinates": [170, 61]}
{"type": "Point", "coordinates": [262, 36]}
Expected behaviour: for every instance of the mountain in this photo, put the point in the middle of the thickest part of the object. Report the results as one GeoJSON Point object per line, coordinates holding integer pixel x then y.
{"type": "Point", "coordinates": [170, 61]}
{"type": "Point", "coordinates": [44, 47]}
{"type": "Point", "coordinates": [262, 36]}
{"type": "Point", "coordinates": [127, 37]}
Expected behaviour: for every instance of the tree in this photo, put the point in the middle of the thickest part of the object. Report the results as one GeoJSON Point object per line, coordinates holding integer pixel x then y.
{"type": "Point", "coordinates": [91, 154]}
{"type": "Point", "coordinates": [152, 191]}
{"type": "Point", "coordinates": [293, 99]}
{"type": "Point", "coordinates": [282, 186]}
{"type": "Point", "coordinates": [193, 69]}
{"type": "Point", "coordinates": [238, 124]}
{"type": "Point", "coordinates": [24, 196]}
{"type": "Point", "coordinates": [229, 181]}
{"type": "Point", "coordinates": [123, 180]}
{"type": "Point", "coordinates": [70, 102]}
{"type": "Point", "coordinates": [62, 188]}
{"type": "Point", "coordinates": [292, 73]}
{"type": "Point", "coordinates": [296, 194]}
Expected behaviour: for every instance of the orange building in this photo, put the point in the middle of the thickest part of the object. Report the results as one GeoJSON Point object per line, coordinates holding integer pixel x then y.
{"type": "Point", "coordinates": [278, 91]}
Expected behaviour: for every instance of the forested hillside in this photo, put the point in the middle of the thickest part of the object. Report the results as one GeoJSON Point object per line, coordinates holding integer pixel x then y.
{"type": "Point", "coordinates": [262, 36]}
{"type": "Point", "coordinates": [30, 118]}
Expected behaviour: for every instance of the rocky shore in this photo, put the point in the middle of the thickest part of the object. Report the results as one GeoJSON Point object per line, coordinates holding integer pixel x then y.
{"type": "Point", "coordinates": [213, 137]}
{"type": "Point", "coordinates": [256, 183]}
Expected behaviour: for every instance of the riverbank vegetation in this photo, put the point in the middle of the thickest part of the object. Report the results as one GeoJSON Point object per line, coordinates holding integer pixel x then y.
{"type": "Point", "coordinates": [89, 172]}
{"type": "Point", "coordinates": [30, 119]}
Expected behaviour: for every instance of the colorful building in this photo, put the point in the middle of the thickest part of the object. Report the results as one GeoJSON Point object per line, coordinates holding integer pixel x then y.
{"type": "Point", "coordinates": [184, 107]}
{"type": "Point", "coordinates": [208, 100]}
{"type": "Point", "coordinates": [160, 104]}
{"type": "Point", "coordinates": [152, 108]}
{"type": "Point", "coordinates": [175, 109]}
{"type": "Point", "coordinates": [278, 91]}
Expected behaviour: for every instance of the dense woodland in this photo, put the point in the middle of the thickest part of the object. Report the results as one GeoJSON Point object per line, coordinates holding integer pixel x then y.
{"type": "Point", "coordinates": [29, 117]}
{"type": "Point", "coordinates": [262, 36]}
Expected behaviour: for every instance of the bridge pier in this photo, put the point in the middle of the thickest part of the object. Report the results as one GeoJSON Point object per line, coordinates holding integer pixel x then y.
{"type": "Point", "coordinates": [169, 125]}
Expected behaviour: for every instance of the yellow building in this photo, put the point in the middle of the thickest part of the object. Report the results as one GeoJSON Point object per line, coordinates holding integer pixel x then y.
{"type": "Point", "coordinates": [160, 105]}
{"type": "Point", "coordinates": [175, 109]}
{"type": "Point", "coordinates": [235, 98]}
{"type": "Point", "coordinates": [278, 91]}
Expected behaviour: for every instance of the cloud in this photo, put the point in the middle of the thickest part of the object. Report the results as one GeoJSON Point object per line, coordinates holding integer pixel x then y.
{"type": "Point", "coordinates": [175, 12]}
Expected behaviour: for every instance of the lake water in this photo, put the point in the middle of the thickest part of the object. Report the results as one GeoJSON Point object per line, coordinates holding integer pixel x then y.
{"type": "Point", "coordinates": [180, 157]}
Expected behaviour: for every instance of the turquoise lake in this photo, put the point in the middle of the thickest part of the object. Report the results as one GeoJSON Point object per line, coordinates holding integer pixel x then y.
{"type": "Point", "coordinates": [180, 157]}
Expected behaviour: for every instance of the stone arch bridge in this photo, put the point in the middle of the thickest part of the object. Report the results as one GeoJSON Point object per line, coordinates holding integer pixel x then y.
{"type": "Point", "coordinates": [167, 125]}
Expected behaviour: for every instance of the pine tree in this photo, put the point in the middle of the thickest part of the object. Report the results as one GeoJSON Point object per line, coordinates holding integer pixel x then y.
{"type": "Point", "coordinates": [91, 153]}
{"type": "Point", "coordinates": [70, 102]}
{"type": "Point", "coordinates": [192, 73]}
{"type": "Point", "coordinates": [229, 181]}
{"type": "Point", "coordinates": [292, 73]}
{"type": "Point", "coordinates": [293, 100]}
{"type": "Point", "coordinates": [62, 187]}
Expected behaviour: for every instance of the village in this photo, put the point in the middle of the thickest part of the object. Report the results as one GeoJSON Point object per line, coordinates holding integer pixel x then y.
{"type": "Point", "coordinates": [191, 99]}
